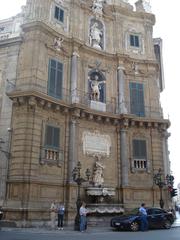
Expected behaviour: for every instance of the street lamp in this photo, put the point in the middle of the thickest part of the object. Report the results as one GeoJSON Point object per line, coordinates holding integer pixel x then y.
{"type": "Point", "coordinates": [76, 174]}
{"type": "Point", "coordinates": [158, 180]}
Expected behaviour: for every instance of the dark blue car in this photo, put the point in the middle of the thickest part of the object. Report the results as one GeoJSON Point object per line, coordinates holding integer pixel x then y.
{"type": "Point", "coordinates": [157, 218]}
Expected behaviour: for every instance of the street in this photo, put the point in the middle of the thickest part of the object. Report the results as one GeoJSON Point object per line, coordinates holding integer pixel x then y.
{"type": "Point", "coordinates": [97, 234]}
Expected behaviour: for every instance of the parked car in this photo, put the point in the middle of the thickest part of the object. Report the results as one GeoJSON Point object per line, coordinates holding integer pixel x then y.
{"type": "Point", "coordinates": [157, 218]}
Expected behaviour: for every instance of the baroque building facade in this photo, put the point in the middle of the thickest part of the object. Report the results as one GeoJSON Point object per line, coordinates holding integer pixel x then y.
{"type": "Point", "coordinates": [80, 81]}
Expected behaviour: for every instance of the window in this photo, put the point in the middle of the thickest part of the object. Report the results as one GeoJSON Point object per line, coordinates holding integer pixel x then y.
{"type": "Point", "coordinates": [51, 152]}
{"type": "Point", "coordinates": [59, 14]}
{"type": "Point", "coordinates": [55, 79]}
{"type": "Point", "coordinates": [52, 137]}
{"type": "Point", "coordinates": [139, 154]}
{"type": "Point", "coordinates": [134, 40]}
{"type": "Point", "coordinates": [137, 99]}
{"type": "Point", "coordinates": [51, 149]}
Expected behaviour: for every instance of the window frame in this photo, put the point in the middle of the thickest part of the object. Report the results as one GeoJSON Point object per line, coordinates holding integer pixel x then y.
{"type": "Point", "coordinates": [49, 154]}
{"type": "Point", "coordinates": [60, 10]}
{"type": "Point", "coordinates": [134, 38]}
{"type": "Point", "coordinates": [139, 163]}
{"type": "Point", "coordinates": [52, 91]}
{"type": "Point", "coordinates": [137, 100]}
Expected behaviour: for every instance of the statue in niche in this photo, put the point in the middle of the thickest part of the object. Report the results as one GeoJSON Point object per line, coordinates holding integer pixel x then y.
{"type": "Point", "coordinates": [95, 85]}
{"type": "Point", "coordinates": [96, 36]}
{"type": "Point", "coordinates": [97, 7]}
{"type": "Point", "coordinates": [58, 43]}
{"type": "Point", "coordinates": [98, 178]}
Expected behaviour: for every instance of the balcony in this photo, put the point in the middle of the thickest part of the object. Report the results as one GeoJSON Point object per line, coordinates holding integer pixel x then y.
{"type": "Point", "coordinates": [51, 156]}
{"type": "Point", "coordinates": [83, 99]}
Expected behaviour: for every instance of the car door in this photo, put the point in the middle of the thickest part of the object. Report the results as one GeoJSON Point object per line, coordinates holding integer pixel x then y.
{"type": "Point", "coordinates": [157, 218]}
{"type": "Point", "coordinates": [150, 217]}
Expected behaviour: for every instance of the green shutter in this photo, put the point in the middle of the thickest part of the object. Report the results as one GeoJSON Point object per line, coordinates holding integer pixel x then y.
{"type": "Point", "coordinates": [137, 99]}
{"type": "Point", "coordinates": [55, 79]}
{"type": "Point", "coordinates": [139, 149]}
{"type": "Point", "coordinates": [52, 137]}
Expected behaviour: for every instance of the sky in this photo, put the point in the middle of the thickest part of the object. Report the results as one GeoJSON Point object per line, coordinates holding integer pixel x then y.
{"type": "Point", "coordinates": [167, 19]}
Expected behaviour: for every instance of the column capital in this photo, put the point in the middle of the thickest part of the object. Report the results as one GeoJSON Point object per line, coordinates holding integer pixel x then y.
{"type": "Point", "coordinates": [121, 67]}
{"type": "Point", "coordinates": [75, 54]}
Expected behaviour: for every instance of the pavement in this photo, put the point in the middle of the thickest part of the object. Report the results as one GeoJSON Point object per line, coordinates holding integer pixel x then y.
{"type": "Point", "coordinates": [177, 221]}
{"type": "Point", "coordinates": [70, 229]}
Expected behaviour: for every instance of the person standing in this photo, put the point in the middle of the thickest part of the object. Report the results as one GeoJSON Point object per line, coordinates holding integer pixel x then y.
{"type": "Point", "coordinates": [143, 217]}
{"type": "Point", "coordinates": [83, 220]}
{"type": "Point", "coordinates": [60, 211]}
{"type": "Point", "coordinates": [53, 210]}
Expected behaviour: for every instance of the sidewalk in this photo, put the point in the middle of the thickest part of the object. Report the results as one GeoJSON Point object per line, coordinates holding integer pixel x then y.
{"type": "Point", "coordinates": [177, 221]}
{"type": "Point", "coordinates": [70, 229]}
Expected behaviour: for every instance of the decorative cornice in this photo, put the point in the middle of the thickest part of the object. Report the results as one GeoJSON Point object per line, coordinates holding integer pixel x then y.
{"type": "Point", "coordinates": [79, 111]}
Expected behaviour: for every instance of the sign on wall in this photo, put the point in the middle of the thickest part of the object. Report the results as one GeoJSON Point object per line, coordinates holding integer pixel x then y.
{"type": "Point", "coordinates": [95, 143]}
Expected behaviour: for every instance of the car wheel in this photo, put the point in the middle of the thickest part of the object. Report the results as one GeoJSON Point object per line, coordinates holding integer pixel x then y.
{"type": "Point", "coordinates": [134, 226]}
{"type": "Point", "coordinates": [167, 224]}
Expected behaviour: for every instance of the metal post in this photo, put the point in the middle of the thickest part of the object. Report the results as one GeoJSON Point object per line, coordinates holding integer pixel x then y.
{"type": "Point", "coordinates": [79, 180]}
{"type": "Point", "coordinates": [159, 181]}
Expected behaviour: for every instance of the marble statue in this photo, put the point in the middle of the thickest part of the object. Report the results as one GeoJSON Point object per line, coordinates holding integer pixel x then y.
{"type": "Point", "coordinates": [95, 87]}
{"type": "Point", "coordinates": [58, 43]}
{"type": "Point", "coordinates": [95, 36]}
{"type": "Point", "coordinates": [97, 7]}
{"type": "Point", "coordinates": [98, 179]}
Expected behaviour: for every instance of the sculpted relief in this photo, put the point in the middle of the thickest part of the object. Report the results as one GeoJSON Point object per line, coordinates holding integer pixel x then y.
{"type": "Point", "coordinates": [97, 7]}
{"type": "Point", "coordinates": [96, 144]}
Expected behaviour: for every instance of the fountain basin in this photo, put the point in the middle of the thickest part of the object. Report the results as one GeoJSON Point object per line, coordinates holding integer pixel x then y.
{"type": "Point", "coordinates": [100, 191]}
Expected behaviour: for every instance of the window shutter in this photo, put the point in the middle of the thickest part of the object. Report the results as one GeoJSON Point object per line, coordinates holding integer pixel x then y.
{"type": "Point", "coordinates": [55, 80]}
{"type": "Point", "coordinates": [56, 14]}
{"type": "Point", "coordinates": [131, 40]}
{"type": "Point", "coordinates": [48, 136]}
{"type": "Point", "coordinates": [139, 149]}
{"type": "Point", "coordinates": [56, 137]}
{"type": "Point", "coordinates": [52, 136]}
{"type": "Point", "coordinates": [137, 99]}
{"type": "Point", "coordinates": [136, 41]}
{"type": "Point", "coordinates": [141, 100]}
{"type": "Point", "coordinates": [61, 17]}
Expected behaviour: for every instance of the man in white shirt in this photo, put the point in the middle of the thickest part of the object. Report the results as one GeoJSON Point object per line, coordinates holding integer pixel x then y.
{"type": "Point", "coordinates": [143, 217]}
{"type": "Point", "coordinates": [83, 221]}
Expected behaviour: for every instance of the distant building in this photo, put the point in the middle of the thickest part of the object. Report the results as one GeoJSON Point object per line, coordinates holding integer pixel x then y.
{"type": "Point", "coordinates": [80, 81]}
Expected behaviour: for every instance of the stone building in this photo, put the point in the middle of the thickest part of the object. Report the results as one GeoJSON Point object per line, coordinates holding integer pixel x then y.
{"type": "Point", "coordinates": [80, 81]}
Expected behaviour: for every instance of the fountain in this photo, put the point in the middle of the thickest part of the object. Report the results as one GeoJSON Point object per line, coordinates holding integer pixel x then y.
{"type": "Point", "coordinates": [100, 197]}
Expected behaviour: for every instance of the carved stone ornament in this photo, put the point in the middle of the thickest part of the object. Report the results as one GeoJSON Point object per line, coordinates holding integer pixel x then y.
{"type": "Point", "coordinates": [143, 6]}
{"type": "Point", "coordinates": [97, 8]}
{"type": "Point", "coordinates": [96, 144]}
{"type": "Point", "coordinates": [59, 2]}
{"type": "Point", "coordinates": [58, 43]}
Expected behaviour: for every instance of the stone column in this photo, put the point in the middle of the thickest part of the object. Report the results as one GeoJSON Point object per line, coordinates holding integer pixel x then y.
{"type": "Point", "coordinates": [166, 161]}
{"type": "Point", "coordinates": [121, 91]}
{"type": "Point", "coordinates": [74, 78]}
{"type": "Point", "coordinates": [124, 157]}
{"type": "Point", "coordinates": [73, 143]}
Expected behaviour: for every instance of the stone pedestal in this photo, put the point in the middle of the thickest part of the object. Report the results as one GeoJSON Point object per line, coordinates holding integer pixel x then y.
{"type": "Point", "coordinates": [99, 106]}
